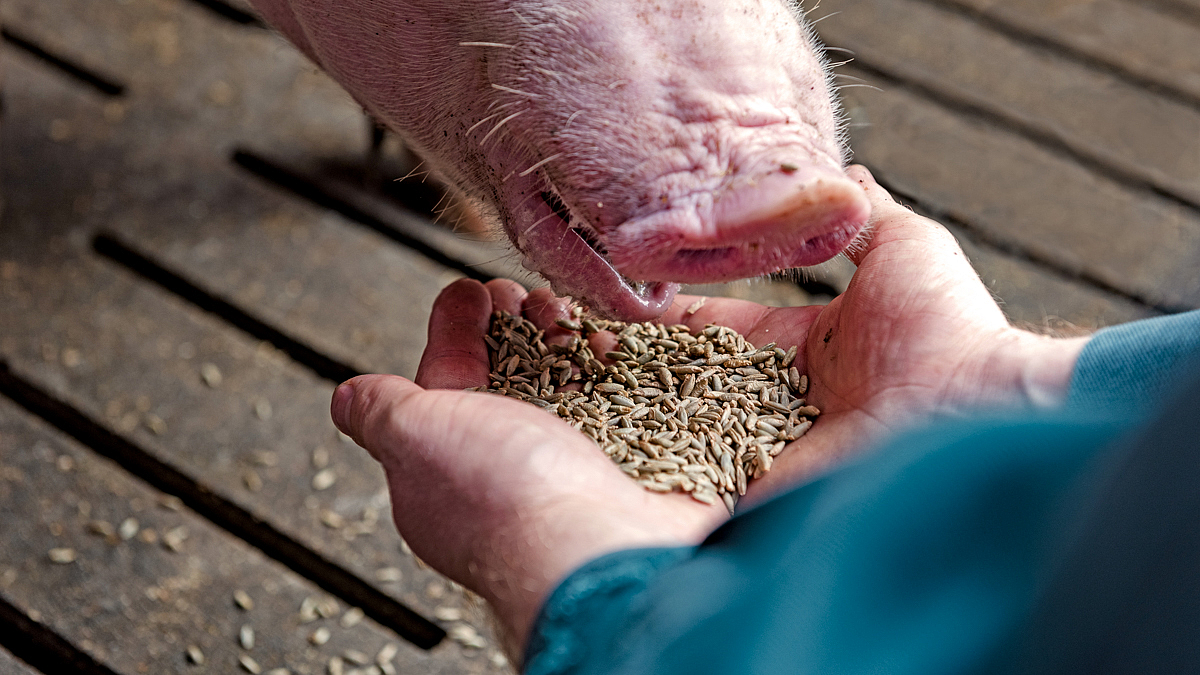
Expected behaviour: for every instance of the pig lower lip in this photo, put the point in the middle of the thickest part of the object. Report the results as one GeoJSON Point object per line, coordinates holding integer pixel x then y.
{"type": "Point", "coordinates": [552, 248]}
{"type": "Point", "coordinates": [593, 281]}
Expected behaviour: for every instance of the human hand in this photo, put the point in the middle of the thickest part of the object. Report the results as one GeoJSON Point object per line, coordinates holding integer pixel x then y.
{"type": "Point", "coordinates": [916, 334]}
{"type": "Point", "coordinates": [507, 499]}
{"type": "Point", "coordinates": [492, 492]}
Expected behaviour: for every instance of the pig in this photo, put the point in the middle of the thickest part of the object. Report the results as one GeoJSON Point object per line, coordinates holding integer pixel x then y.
{"type": "Point", "coordinates": [624, 146]}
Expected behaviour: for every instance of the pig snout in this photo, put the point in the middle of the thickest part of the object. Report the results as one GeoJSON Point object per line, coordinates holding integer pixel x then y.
{"type": "Point", "coordinates": [623, 146]}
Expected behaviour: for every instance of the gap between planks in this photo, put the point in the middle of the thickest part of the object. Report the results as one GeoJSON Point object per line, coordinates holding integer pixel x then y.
{"type": "Point", "coordinates": [42, 648]}
{"type": "Point", "coordinates": [104, 84]}
{"type": "Point", "coordinates": [407, 623]}
{"type": "Point", "coordinates": [1022, 35]}
{"type": "Point", "coordinates": [1046, 139]}
{"type": "Point", "coordinates": [112, 248]}
{"type": "Point", "coordinates": [231, 13]}
{"type": "Point", "coordinates": [326, 196]}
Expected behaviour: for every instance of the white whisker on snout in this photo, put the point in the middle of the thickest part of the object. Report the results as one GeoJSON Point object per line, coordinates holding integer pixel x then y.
{"type": "Point", "coordinates": [851, 86]}
{"type": "Point", "coordinates": [413, 172]}
{"type": "Point", "coordinates": [497, 127]}
{"type": "Point", "coordinates": [533, 168]}
{"type": "Point", "coordinates": [537, 222]}
{"type": "Point", "coordinates": [475, 126]}
{"type": "Point", "coordinates": [522, 19]}
{"type": "Point", "coordinates": [499, 45]}
{"type": "Point", "coordinates": [514, 91]}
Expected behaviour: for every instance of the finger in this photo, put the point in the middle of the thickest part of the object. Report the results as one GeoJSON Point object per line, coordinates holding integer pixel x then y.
{"type": "Point", "coordinates": [891, 221]}
{"type": "Point", "coordinates": [455, 355]}
{"type": "Point", "coordinates": [740, 315]}
{"type": "Point", "coordinates": [875, 193]}
{"type": "Point", "coordinates": [543, 308]}
{"type": "Point", "coordinates": [361, 409]}
{"type": "Point", "coordinates": [507, 296]}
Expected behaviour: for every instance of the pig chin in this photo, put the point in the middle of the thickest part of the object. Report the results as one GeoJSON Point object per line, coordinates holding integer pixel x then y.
{"type": "Point", "coordinates": [575, 262]}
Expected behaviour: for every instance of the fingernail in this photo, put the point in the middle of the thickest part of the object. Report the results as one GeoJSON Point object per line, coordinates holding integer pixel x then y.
{"type": "Point", "coordinates": [339, 409]}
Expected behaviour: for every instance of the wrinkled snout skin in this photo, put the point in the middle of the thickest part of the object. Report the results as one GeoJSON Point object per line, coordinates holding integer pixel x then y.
{"type": "Point", "coordinates": [674, 140]}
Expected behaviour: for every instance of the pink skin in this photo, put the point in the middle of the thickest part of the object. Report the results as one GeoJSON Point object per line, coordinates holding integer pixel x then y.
{"type": "Point", "coordinates": [692, 140]}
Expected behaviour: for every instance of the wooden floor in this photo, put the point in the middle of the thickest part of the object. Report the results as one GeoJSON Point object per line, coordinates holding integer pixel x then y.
{"type": "Point", "coordinates": [198, 241]}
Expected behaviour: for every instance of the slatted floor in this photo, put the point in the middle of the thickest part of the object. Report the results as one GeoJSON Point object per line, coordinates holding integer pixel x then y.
{"type": "Point", "coordinates": [199, 240]}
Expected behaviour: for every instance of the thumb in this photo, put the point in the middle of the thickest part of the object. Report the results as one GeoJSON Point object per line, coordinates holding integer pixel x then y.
{"type": "Point", "coordinates": [363, 407]}
{"type": "Point", "coordinates": [892, 221]}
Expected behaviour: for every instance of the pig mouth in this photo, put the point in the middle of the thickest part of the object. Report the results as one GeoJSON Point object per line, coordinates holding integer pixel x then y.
{"type": "Point", "coordinates": [573, 258]}
{"type": "Point", "coordinates": [633, 272]}
{"type": "Point", "coordinates": [787, 220]}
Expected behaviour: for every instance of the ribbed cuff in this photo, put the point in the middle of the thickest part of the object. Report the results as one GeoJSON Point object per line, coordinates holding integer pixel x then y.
{"type": "Point", "coordinates": [1125, 368]}
{"type": "Point", "coordinates": [578, 612]}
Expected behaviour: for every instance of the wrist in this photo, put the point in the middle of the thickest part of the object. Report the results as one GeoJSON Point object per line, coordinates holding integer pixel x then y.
{"type": "Point", "coordinates": [531, 559]}
{"type": "Point", "coordinates": [1030, 371]}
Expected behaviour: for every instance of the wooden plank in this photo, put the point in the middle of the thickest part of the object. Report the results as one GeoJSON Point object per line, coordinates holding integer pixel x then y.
{"type": "Point", "coordinates": [1151, 46]}
{"type": "Point", "coordinates": [1104, 119]}
{"type": "Point", "coordinates": [134, 603]}
{"type": "Point", "coordinates": [1044, 302]}
{"type": "Point", "coordinates": [344, 291]}
{"type": "Point", "coordinates": [1017, 193]}
{"type": "Point", "coordinates": [1180, 4]}
{"type": "Point", "coordinates": [1188, 10]}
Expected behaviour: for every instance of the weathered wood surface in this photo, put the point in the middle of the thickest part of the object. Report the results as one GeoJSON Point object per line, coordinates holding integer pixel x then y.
{"type": "Point", "coordinates": [1190, 9]}
{"type": "Point", "coordinates": [1059, 140]}
{"type": "Point", "coordinates": [1101, 118]}
{"type": "Point", "coordinates": [250, 439]}
{"type": "Point", "coordinates": [101, 316]}
{"type": "Point", "coordinates": [1138, 39]}
{"type": "Point", "coordinates": [227, 231]}
{"type": "Point", "coordinates": [132, 578]}
{"type": "Point", "coordinates": [1044, 301]}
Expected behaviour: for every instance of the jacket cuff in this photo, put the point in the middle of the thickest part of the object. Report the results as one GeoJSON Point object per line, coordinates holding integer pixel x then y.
{"type": "Point", "coordinates": [1125, 367]}
{"type": "Point", "coordinates": [578, 614]}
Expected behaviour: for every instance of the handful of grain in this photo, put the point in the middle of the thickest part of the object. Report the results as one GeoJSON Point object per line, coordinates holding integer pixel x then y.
{"type": "Point", "coordinates": [698, 413]}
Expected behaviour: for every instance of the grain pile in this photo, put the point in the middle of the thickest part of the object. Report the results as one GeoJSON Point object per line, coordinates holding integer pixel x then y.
{"type": "Point", "coordinates": [702, 414]}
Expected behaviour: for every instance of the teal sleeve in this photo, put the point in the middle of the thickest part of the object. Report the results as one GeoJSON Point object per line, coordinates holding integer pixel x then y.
{"type": "Point", "coordinates": [1134, 364]}
{"type": "Point", "coordinates": [597, 593]}
{"type": "Point", "coordinates": [918, 559]}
